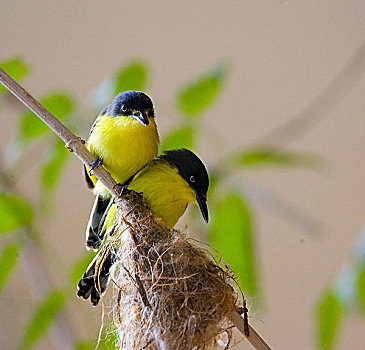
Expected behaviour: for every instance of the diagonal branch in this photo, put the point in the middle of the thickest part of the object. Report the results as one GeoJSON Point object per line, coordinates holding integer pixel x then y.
{"type": "Point", "coordinates": [76, 144]}
{"type": "Point", "coordinates": [73, 142]}
{"type": "Point", "coordinates": [256, 341]}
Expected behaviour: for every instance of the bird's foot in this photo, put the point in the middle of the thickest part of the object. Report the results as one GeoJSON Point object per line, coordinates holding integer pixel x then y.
{"type": "Point", "coordinates": [121, 189]}
{"type": "Point", "coordinates": [96, 163]}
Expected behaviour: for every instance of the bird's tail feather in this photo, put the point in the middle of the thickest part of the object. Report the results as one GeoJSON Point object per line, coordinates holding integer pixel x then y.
{"type": "Point", "coordinates": [95, 280]}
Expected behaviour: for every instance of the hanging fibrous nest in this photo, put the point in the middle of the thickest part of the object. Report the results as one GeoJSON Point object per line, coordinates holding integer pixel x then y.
{"type": "Point", "coordinates": [169, 293]}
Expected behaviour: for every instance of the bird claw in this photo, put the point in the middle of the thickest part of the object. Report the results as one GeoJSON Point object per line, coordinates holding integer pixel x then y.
{"type": "Point", "coordinates": [96, 163]}
{"type": "Point", "coordinates": [121, 189]}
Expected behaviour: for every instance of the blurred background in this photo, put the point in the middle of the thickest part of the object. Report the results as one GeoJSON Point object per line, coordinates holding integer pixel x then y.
{"type": "Point", "coordinates": [279, 124]}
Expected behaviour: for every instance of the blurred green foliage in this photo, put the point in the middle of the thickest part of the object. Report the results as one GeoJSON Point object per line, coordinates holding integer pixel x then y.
{"type": "Point", "coordinates": [231, 233]}
{"type": "Point", "coordinates": [361, 289]}
{"type": "Point", "coordinates": [329, 316]}
{"type": "Point", "coordinates": [51, 168]}
{"type": "Point", "coordinates": [42, 318]}
{"type": "Point", "coordinates": [58, 103]}
{"type": "Point", "coordinates": [85, 345]}
{"type": "Point", "coordinates": [264, 156]}
{"type": "Point", "coordinates": [51, 171]}
{"type": "Point", "coordinates": [107, 341]}
{"type": "Point", "coordinates": [179, 138]}
{"type": "Point", "coordinates": [347, 292]}
{"type": "Point", "coordinates": [15, 67]}
{"type": "Point", "coordinates": [8, 259]}
{"type": "Point", "coordinates": [15, 212]}
{"type": "Point", "coordinates": [195, 97]}
{"type": "Point", "coordinates": [131, 77]}
{"type": "Point", "coordinates": [80, 266]}
{"type": "Point", "coordinates": [231, 230]}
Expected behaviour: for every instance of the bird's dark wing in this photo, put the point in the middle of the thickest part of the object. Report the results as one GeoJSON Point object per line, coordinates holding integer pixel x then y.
{"type": "Point", "coordinates": [97, 216]}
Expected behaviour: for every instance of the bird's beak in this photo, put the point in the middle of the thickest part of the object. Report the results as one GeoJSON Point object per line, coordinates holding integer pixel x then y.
{"type": "Point", "coordinates": [141, 117]}
{"type": "Point", "coordinates": [202, 201]}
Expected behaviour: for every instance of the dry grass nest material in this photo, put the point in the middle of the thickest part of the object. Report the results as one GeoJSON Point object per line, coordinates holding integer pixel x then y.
{"type": "Point", "coordinates": [169, 292]}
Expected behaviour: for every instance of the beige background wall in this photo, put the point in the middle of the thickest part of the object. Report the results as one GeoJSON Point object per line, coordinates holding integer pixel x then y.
{"type": "Point", "coordinates": [283, 54]}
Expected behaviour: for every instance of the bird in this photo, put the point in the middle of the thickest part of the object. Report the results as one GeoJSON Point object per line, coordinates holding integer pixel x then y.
{"type": "Point", "coordinates": [123, 139]}
{"type": "Point", "coordinates": [169, 183]}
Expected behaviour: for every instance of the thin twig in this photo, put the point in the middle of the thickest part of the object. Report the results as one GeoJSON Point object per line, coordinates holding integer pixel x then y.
{"type": "Point", "coordinates": [256, 341]}
{"type": "Point", "coordinates": [73, 142]}
{"type": "Point", "coordinates": [76, 145]}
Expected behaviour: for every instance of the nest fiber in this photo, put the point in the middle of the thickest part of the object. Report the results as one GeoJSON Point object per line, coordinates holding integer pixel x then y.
{"type": "Point", "coordinates": [168, 292]}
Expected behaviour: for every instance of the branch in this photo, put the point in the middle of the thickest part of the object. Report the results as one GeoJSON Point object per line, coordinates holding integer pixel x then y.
{"type": "Point", "coordinates": [76, 144]}
{"type": "Point", "coordinates": [73, 142]}
{"type": "Point", "coordinates": [256, 341]}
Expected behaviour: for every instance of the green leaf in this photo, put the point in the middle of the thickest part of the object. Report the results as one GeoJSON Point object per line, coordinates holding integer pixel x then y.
{"type": "Point", "coordinates": [8, 259]}
{"type": "Point", "coordinates": [50, 173]}
{"type": "Point", "coordinates": [259, 156]}
{"type": "Point", "coordinates": [131, 77]}
{"type": "Point", "coordinates": [216, 176]}
{"type": "Point", "coordinates": [199, 94]}
{"type": "Point", "coordinates": [59, 104]}
{"type": "Point", "coordinates": [231, 234]}
{"type": "Point", "coordinates": [328, 319]}
{"type": "Point", "coordinates": [42, 319]}
{"type": "Point", "coordinates": [110, 339]}
{"type": "Point", "coordinates": [361, 289]}
{"type": "Point", "coordinates": [52, 167]}
{"type": "Point", "coordinates": [15, 67]}
{"type": "Point", "coordinates": [179, 138]}
{"type": "Point", "coordinates": [14, 212]}
{"type": "Point", "coordinates": [85, 345]}
{"type": "Point", "coordinates": [79, 267]}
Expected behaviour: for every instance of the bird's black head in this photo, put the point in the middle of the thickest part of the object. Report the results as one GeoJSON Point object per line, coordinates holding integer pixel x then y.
{"type": "Point", "coordinates": [134, 104]}
{"type": "Point", "coordinates": [192, 169]}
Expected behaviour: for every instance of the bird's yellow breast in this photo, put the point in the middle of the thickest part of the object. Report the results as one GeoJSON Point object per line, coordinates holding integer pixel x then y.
{"type": "Point", "coordinates": [165, 191]}
{"type": "Point", "coordinates": [124, 145]}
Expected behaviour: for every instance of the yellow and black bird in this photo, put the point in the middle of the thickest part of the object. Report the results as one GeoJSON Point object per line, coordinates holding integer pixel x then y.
{"type": "Point", "coordinates": [123, 138]}
{"type": "Point", "coordinates": [169, 183]}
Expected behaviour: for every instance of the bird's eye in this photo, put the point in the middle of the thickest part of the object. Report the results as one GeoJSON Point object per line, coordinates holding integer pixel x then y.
{"type": "Point", "coordinates": [124, 108]}
{"type": "Point", "coordinates": [192, 178]}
